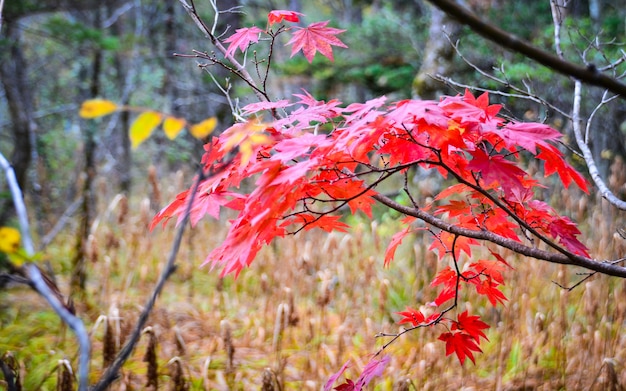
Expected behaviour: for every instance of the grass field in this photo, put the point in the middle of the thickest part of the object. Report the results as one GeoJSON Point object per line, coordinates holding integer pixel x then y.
{"type": "Point", "coordinates": [311, 302]}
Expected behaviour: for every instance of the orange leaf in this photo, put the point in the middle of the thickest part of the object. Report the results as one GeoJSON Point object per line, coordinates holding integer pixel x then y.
{"type": "Point", "coordinates": [94, 108]}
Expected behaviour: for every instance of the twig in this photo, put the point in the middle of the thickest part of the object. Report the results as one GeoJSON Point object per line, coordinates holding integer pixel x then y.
{"type": "Point", "coordinates": [111, 373]}
{"type": "Point", "coordinates": [20, 208]}
{"type": "Point", "coordinates": [65, 217]}
{"type": "Point", "coordinates": [589, 160]}
{"type": "Point", "coordinates": [589, 75]}
{"type": "Point", "coordinates": [38, 283]}
{"type": "Point", "coordinates": [241, 70]}
{"type": "Point", "coordinates": [1, 8]}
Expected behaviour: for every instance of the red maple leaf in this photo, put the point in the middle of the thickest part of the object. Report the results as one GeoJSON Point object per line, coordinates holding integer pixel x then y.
{"type": "Point", "coordinates": [488, 287]}
{"type": "Point", "coordinates": [242, 39]}
{"type": "Point", "coordinates": [278, 16]}
{"type": "Point", "coordinates": [496, 170]}
{"type": "Point", "coordinates": [347, 386]}
{"type": "Point", "coordinates": [412, 316]}
{"type": "Point", "coordinates": [460, 343]}
{"type": "Point", "coordinates": [316, 37]}
{"type": "Point", "coordinates": [396, 239]}
{"type": "Point", "coordinates": [527, 135]}
{"type": "Point", "coordinates": [492, 269]}
{"type": "Point", "coordinates": [565, 230]}
{"type": "Point", "coordinates": [471, 325]}
{"type": "Point", "coordinates": [554, 162]}
{"type": "Point", "coordinates": [328, 223]}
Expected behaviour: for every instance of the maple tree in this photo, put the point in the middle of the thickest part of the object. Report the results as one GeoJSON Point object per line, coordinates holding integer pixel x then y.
{"type": "Point", "coordinates": [310, 158]}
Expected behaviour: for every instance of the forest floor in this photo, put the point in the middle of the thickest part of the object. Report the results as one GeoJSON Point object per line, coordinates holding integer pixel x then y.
{"type": "Point", "coordinates": [310, 303]}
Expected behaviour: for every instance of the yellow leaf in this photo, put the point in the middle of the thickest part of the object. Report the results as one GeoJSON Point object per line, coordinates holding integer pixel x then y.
{"type": "Point", "coordinates": [143, 126]}
{"type": "Point", "coordinates": [95, 108]}
{"type": "Point", "coordinates": [204, 128]}
{"type": "Point", "coordinates": [9, 240]}
{"type": "Point", "coordinates": [172, 126]}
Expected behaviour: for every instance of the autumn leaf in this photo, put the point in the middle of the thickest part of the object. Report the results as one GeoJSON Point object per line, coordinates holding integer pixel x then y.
{"type": "Point", "coordinates": [411, 316]}
{"type": "Point", "coordinates": [278, 16]}
{"type": "Point", "coordinates": [528, 135]}
{"type": "Point", "coordinates": [143, 126]}
{"type": "Point", "coordinates": [472, 325]}
{"type": "Point", "coordinates": [242, 38]}
{"type": "Point", "coordinates": [497, 170]}
{"type": "Point", "coordinates": [331, 380]}
{"type": "Point", "coordinates": [373, 369]}
{"type": "Point", "coordinates": [460, 343]}
{"type": "Point", "coordinates": [245, 136]}
{"type": "Point", "coordinates": [204, 128]}
{"type": "Point", "coordinates": [566, 231]}
{"type": "Point", "coordinates": [95, 108]}
{"type": "Point", "coordinates": [316, 37]}
{"type": "Point", "coordinates": [172, 126]}
{"type": "Point", "coordinates": [9, 240]}
{"type": "Point", "coordinates": [492, 269]}
{"type": "Point", "coordinates": [396, 239]}
{"type": "Point", "coordinates": [554, 162]}
{"type": "Point", "coordinates": [488, 287]}
{"type": "Point", "coordinates": [326, 222]}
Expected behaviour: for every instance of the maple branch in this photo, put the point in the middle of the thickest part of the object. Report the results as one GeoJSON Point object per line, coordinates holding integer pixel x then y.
{"type": "Point", "coordinates": [242, 72]}
{"type": "Point", "coordinates": [604, 267]}
{"type": "Point", "coordinates": [588, 74]}
{"type": "Point", "coordinates": [508, 211]}
{"type": "Point", "coordinates": [111, 373]}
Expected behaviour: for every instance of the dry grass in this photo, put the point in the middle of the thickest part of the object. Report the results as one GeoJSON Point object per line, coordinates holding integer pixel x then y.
{"type": "Point", "coordinates": [312, 302]}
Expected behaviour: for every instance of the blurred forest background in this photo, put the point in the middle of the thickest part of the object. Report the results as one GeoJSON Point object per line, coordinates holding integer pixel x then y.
{"type": "Point", "coordinates": [90, 197]}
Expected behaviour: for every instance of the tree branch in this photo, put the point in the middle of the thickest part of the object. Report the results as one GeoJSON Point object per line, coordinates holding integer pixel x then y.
{"type": "Point", "coordinates": [604, 267]}
{"type": "Point", "coordinates": [588, 156]}
{"type": "Point", "coordinates": [241, 70]}
{"type": "Point", "coordinates": [112, 371]}
{"type": "Point", "coordinates": [589, 75]}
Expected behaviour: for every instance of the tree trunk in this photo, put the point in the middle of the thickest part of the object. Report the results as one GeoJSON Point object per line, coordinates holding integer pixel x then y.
{"type": "Point", "coordinates": [79, 271]}
{"type": "Point", "coordinates": [13, 67]}
{"type": "Point", "coordinates": [439, 55]}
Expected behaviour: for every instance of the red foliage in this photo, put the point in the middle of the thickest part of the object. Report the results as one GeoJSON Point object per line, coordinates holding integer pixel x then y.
{"type": "Point", "coordinates": [302, 176]}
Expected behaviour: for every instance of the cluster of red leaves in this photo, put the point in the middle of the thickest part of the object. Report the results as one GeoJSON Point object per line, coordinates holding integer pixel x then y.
{"type": "Point", "coordinates": [311, 39]}
{"type": "Point", "coordinates": [302, 175]}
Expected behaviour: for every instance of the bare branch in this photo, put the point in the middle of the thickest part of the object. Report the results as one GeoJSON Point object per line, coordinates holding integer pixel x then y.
{"type": "Point", "coordinates": [589, 75]}
{"type": "Point", "coordinates": [111, 373]}
{"type": "Point", "coordinates": [241, 70]}
{"type": "Point", "coordinates": [588, 156]}
{"type": "Point", "coordinates": [18, 201]}
{"type": "Point", "coordinates": [38, 283]}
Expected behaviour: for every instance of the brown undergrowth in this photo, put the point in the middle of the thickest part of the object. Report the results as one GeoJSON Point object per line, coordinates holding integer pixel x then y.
{"type": "Point", "coordinates": [311, 302]}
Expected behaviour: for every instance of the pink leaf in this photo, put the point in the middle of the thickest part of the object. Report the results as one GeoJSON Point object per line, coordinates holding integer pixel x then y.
{"type": "Point", "coordinates": [242, 39]}
{"type": "Point", "coordinates": [259, 106]}
{"type": "Point", "coordinates": [373, 369]}
{"type": "Point", "coordinates": [316, 37]}
{"type": "Point", "coordinates": [333, 378]}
